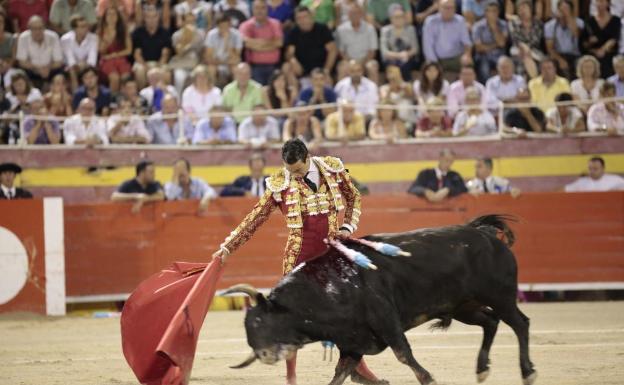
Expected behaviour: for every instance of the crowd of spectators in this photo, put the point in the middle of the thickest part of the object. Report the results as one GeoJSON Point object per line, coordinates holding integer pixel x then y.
{"type": "Point", "coordinates": [119, 71]}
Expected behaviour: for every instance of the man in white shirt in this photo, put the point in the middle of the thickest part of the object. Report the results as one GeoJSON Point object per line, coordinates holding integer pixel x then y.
{"type": "Point", "coordinates": [258, 129]}
{"type": "Point", "coordinates": [8, 171]}
{"type": "Point", "coordinates": [183, 186]}
{"type": "Point", "coordinates": [359, 90]}
{"type": "Point", "coordinates": [80, 48]}
{"type": "Point", "coordinates": [39, 52]}
{"type": "Point", "coordinates": [126, 127]}
{"type": "Point", "coordinates": [486, 183]}
{"type": "Point", "coordinates": [456, 97]}
{"type": "Point", "coordinates": [85, 127]}
{"type": "Point", "coordinates": [596, 180]}
{"type": "Point", "coordinates": [505, 86]}
{"type": "Point", "coordinates": [357, 40]}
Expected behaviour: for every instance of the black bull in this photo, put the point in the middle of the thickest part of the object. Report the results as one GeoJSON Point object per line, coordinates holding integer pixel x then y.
{"type": "Point", "coordinates": [460, 272]}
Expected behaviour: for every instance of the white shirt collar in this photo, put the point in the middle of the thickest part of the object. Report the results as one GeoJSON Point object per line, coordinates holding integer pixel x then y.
{"type": "Point", "coordinates": [439, 173]}
{"type": "Point", "coordinates": [6, 190]}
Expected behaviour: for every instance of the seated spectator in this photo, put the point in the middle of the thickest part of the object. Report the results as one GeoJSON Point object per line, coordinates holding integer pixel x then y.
{"type": "Point", "coordinates": [489, 36]}
{"type": "Point", "coordinates": [357, 40]}
{"type": "Point", "coordinates": [476, 10]}
{"type": "Point", "coordinates": [596, 179]}
{"type": "Point", "coordinates": [486, 183]}
{"type": "Point", "coordinates": [379, 11]}
{"type": "Point", "coordinates": [587, 87]}
{"type": "Point", "coordinates": [606, 116]}
{"type": "Point", "coordinates": [7, 49]}
{"type": "Point", "coordinates": [431, 84]}
{"type": "Point", "coordinates": [359, 90]}
{"type": "Point", "coordinates": [151, 44]}
{"type": "Point", "coordinates": [618, 78]}
{"type": "Point", "coordinates": [20, 12]}
{"type": "Point", "coordinates": [8, 171]}
{"type": "Point", "coordinates": [156, 89]}
{"type": "Point", "coordinates": [183, 186]}
{"type": "Point", "coordinates": [345, 125]}
{"type": "Point", "coordinates": [565, 119]}
{"type": "Point", "coordinates": [62, 12]}
{"type": "Point", "coordinates": [562, 37]}
{"type": "Point", "coordinates": [21, 91]}
{"type": "Point", "coordinates": [259, 128]}
{"type": "Point", "coordinates": [400, 93]}
{"type": "Point", "coordinates": [216, 129]}
{"type": "Point", "coordinates": [527, 33]}
{"type": "Point", "coordinates": [446, 39]}
{"type": "Point", "coordinates": [547, 86]}
{"type": "Point", "coordinates": [163, 7]}
{"type": "Point", "coordinates": [223, 47]}
{"type": "Point", "coordinates": [241, 95]}
{"type": "Point", "coordinates": [235, 10]}
{"type": "Point", "coordinates": [41, 130]}
{"type": "Point", "coordinates": [323, 11]}
{"type": "Point", "coordinates": [91, 89]}
{"type": "Point", "coordinates": [457, 90]}
{"type": "Point", "coordinates": [187, 43]}
{"type": "Point", "coordinates": [387, 125]}
{"type": "Point", "coordinates": [164, 125]}
{"type": "Point", "coordinates": [80, 48]}
{"type": "Point", "coordinates": [436, 184]}
{"type": "Point", "coordinates": [202, 95]}
{"type": "Point", "coordinates": [283, 11]}
{"type": "Point", "coordinates": [85, 127]}
{"type": "Point", "coordinates": [318, 93]}
{"type": "Point", "coordinates": [505, 86]}
{"type": "Point", "coordinates": [263, 40]}
{"type": "Point", "coordinates": [141, 189]}
{"type": "Point", "coordinates": [58, 100]}
{"type": "Point", "coordinates": [524, 119]}
{"type": "Point", "coordinates": [304, 126]}
{"type": "Point", "coordinates": [114, 47]}
{"type": "Point", "coordinates": [125, 7]}
{"type": "Point", "coordinates": [278, 94]}
{"type": "Point", "coordinates": [39, 52]}
{"type": "Point", "coordinates": [310, 45]}
{"type": "Point", "coordinates": [398, 44]}
{"type": "Point", "coordinates": [601, 35]}
{"type": "Point", "coordinates": [252, 185]}
{"type": "Point", "coordinates": [473, 120]}
{"type": "Point", "coordinates": [200, 10]}
{"type": "Point", "coordinates": [124, 126]}
{"type": "Point", "coordinates": [130, 91]}
{"type": "Point", "coordinates": [434, 121]}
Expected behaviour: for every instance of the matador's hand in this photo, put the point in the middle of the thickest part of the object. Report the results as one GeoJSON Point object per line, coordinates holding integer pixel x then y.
{"type": "Point", "coordinates": [343, 234]}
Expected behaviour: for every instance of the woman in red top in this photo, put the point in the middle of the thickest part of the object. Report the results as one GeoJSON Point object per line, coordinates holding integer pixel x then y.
{"type": "Point", "coordinates": [114, 48]}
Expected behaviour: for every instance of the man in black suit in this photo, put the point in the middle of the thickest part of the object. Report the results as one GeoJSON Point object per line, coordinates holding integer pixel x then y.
{"type": "Point", "coordinates": [8, 171]}
{"type": "Point", "coordinates": [435, 184]}
{"type": "Point", "coordinates": [249, 185]}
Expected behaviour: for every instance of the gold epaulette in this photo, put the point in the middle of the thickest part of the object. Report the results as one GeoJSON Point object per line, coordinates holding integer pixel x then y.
{"type": "Point", "coordinates": [278, 181]}
{"type": "Point", "coordinates": [330, 163]}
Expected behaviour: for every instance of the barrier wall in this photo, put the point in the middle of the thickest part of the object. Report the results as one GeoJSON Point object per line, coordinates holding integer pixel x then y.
{"type": "Point", "coordinates": [567, 241]}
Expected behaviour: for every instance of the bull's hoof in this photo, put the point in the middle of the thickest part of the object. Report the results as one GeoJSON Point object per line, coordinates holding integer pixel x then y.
{"type": "Point", "coordinates": [483, 375]}
{"type": "Point", "coordinates": [359, 379]}
{"type": "Point", "coordinates": [530, 379]}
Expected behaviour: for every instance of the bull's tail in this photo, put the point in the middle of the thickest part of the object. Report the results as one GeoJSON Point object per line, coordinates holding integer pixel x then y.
{"type": "Point", "coordinates": [495, 223]}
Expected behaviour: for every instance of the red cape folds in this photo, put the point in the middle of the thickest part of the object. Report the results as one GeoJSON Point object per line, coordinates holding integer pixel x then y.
{"type": "Point", "coordinates": [161, 321]}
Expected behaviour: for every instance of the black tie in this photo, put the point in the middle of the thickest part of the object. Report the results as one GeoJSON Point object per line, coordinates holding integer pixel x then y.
{"type": "Point", "coordinates": [309, 182]}
{"type": "Point", "coordinates": [485, 188]}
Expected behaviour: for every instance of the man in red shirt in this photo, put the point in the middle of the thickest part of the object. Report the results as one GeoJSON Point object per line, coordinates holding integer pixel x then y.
{"type": "Point", "coordinates": [20, 11]}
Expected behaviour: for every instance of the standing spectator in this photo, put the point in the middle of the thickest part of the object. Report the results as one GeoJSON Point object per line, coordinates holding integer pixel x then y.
{"type": "Point", "coordinates": [216, 129]}
{"type": "Point", "coordinates": [546, 87]}
{"type": "Point", "coordinates": [259, 128]}
{"type": "Point", "coordinates": [310, 45]}
{"type": "Point", "coordinates": [223, 47]}
{"type": "Point", "coordinates": [323, 11]}
{"type": "Point", "coordinates": [473, 120]}
{"type": "Point", "coordinates": [318, 93]}
{"type": "Point", "coordinates": [618, 78]}
{"type": "Point", "coordinates": [242, 94]}
{"type": "Point", "coordinates": [457, 89]}
{"type": "Point", "coordinates": [379, 11]}
{"type": "Point", "coordinates": [565, 119]}
{"type": "Point", "coordinates": [142, 189]}
{"type": "Point", "coordinates": [58, 100]}
{"type": "Point", "coordinates": [183, 186]}
{"type": "Point", "coordinates": [399, 93]}
{"type": "Point", "coordinates": [166, 128]}
{"type": "Point", "coordinates": [527, 34]}
{"type": "Point", "coordinates": [7, 50]}
{"type": "Point", "coordinates": [357, 40]}
{"type": "Point", "coordinates": [114, 48]}
{"type": "Point", "coordinates": [41, 128]}
{"type": "Point", "coordinates": [486, 183]}
{"type": "Point", "coordinates": [152, 45]}
{"type": "Point", "coordinates": [446, 38]}
{"type": "Point", "coordinates": [85, 127]}
{"type": "Point", "coordinates": [278, 94]}
{"type": "Point", "coordinates": [80, 48]}
{"type": "Point", "coordinates": [387, 125]}
{"type": "Point", "coordinates": [562, 37]}
{"type": "Point", "coordinates": [62, 11]}
{"type": "Point", "coordinates": [597, 179]}
{"type": "Point", "coordinates": [130, 90]}
{"type": "Point", "coordinates": [359, 90]}
{"type": "Point", "coordinates": [263, 40]}
{"type": "Point", "coordinates": [431, 83]}
{"type": "Point", "coordinates": [303, 126]}
{"type": "Point", "coordinates": [8, 171]}
{"type": "Point", "coordinates": [39, 52]}
{"type": "Point", "coordinates": [601, 36]}
{"type": "Point", "coordinates": [474, 10]}
{"type": "Point", "coordinates": [157, 88]}
{"type": "Point", "coordinates": [202, 95]}
{"type": "Point", "coordinates": [399, 44]}
{"type": "Point", "coordinates": [346, 124]}
{"type": "Point", "coordinates": [606, 116]}
{"type": "Point", "coordinates": [21, 91]}
{"type": "Point", "coordinates": [587, 87]}
{"type": "Point", "coordinates": [505, 86]}
{"type": "Point", "coordinates": [90, 88]}
{"type": "Point", "coordinates": [126, 127]}
{"type": "Point", "coordinates": [436, 184]}
{"type": "Point", "coordinates": [187, 43]}
{"type": "Point", "coordinates": [524, 119]}
{"type": "Point", "coordinates": [252, 185]}
{"type": "Point", "coordinates": [200, 10]}
{"type": "Point", "coordinates": [490, 40]}
{"type": "Point", "coordinates": [20, 12]}
{"type": "Point", "coordinates": [235, 10]}
{"type": "Point", "coordinates": [434, 121]}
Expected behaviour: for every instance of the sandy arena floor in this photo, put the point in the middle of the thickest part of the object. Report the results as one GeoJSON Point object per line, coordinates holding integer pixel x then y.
{"type": "Point", "coordinates": [571, 343]}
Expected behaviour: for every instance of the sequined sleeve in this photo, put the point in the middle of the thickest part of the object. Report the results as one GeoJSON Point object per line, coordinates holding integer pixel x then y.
{"type": "Point", "coordinates": [353, 201]}
{"type": "Point", "coordinates": [258, 215]}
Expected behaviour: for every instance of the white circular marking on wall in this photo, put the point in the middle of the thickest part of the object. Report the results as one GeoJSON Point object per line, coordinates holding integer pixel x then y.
{"type": "Point", "coordinates": [13, 265]}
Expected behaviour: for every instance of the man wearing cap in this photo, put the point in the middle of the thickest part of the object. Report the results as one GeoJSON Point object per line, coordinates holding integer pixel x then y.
{"type": "Point", "coordinates": [7, 178]}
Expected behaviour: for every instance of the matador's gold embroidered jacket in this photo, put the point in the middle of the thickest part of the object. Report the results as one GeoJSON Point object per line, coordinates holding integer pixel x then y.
{"type": "Point", "coordinates": [296, 201]}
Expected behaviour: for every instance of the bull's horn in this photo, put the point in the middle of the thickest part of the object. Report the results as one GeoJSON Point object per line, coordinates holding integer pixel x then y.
{"type": "Point", "coordinates": [243, 288]}
{"type": "Point", "coordinates": [252, 357]}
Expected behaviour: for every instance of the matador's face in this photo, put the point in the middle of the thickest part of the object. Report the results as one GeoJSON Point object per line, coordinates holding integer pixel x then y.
{"type": "Point", "coordinates": [298, 169]}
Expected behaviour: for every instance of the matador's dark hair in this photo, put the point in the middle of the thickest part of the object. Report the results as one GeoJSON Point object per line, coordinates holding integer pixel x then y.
{"type": "Point", "coordinates": [294, 150]}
